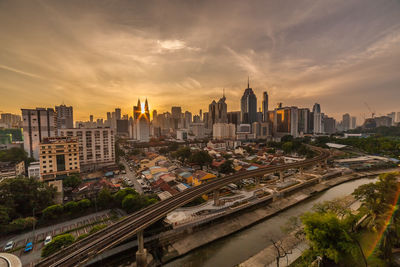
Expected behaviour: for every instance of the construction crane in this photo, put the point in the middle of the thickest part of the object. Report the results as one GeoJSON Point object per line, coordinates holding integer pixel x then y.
{"type": "Point", "coordinates": [370, 110]}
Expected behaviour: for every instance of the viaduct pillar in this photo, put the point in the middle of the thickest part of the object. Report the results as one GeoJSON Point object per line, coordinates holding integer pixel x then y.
{"type": "Point", "coordinates": [141, 254]}
{"type": "Point", "coordinates": [216, 197]}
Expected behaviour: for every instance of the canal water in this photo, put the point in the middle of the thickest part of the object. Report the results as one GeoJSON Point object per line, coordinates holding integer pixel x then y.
{"type": "Point", "coordinates": [236, 248]}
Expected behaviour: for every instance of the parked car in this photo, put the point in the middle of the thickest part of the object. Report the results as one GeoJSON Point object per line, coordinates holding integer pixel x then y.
{"type": "Point", "coordinates": [47, 240]}
{"type": "Point", "coordinates": [9, 245]}
{"type": "Point", "coordinates": [28, 247]}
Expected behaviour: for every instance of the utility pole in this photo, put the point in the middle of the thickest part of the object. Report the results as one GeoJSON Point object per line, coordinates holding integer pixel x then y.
{"type": "Point", "coordinates": [33, 224]}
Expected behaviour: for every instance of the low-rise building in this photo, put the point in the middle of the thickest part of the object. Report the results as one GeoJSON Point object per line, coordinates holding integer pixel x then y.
{"type": "Point", "coordinates": [34, 170]}
{"type": "Point", "coordinates": [59, 157]}
{"type": "Point", "coordinates": [11, 170]}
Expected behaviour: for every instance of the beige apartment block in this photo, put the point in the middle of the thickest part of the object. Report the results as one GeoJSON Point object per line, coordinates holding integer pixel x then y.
{"type": "Point", "coordinates": [59, 157]}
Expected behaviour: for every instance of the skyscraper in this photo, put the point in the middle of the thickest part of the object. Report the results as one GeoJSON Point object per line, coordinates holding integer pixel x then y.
{"type": "Point", "coordinates": [142, 122]}
{"type": "Point", "coordinates": [346, 122]}
{"type": "Point", "coordinates": [37, 124]}
{"type": "Point", "coordinates": [176, 113]}
{"type": "Point", "coordinates": [304, 115]}
{"type": "Point", "coordinates": [353, 123]}
{"type": "Point", "coordinates": [317, 119]}
{"type": "Point", "coordinates": [65, 117]}
{"type": "Point", "coordinates": [265, 106]}
{"type": "Point", "coordinates": [188, 119]}
{"type": "Point", "coordinates": [248, 105]}
{"type": "Point", "coordinates": [217, 112]}
{"type": "Point", "coordinates": [117, 114]}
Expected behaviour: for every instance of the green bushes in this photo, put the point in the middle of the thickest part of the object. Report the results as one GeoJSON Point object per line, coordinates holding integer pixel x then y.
{"type": "Point", "coordinates": [97, 228]}
{"type": "Point", "coordinates": [52, 212]}
{"type": "Point", "coordinates": [57, 243]}
{"type": "Point", "coordinates": [71, 208]}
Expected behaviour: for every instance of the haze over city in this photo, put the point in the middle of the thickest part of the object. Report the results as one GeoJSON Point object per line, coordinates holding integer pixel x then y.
{"type": "Point", "coordinates": [98, 55]}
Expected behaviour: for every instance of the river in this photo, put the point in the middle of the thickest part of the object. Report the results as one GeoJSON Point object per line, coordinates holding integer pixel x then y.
{"type": "Point", "coordinates": [238, 247]}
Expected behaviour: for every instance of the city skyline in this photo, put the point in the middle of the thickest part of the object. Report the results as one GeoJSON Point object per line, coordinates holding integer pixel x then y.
{"type": "Point", "coordinates": [96, 57]}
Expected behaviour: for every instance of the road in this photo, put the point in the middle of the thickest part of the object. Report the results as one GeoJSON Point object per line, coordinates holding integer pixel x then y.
{"type": "Point", "coordinates": [81, 251]}
{"type": "Point", "coordinates": [52, 230]}
{"type": "Point", "coordinates": [132, 176]}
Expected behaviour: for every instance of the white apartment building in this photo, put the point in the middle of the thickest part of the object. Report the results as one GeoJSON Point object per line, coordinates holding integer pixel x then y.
{"type": "Point", "coordinates": [96, 146]}
{"type": "Point", "coordinates": [198, 130]}
{"type": "Point", "coordinates": [224, 131]}
{"type": "Point", "coordinates": [34, 170]}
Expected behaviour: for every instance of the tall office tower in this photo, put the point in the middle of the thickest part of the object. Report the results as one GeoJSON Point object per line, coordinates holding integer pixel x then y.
{"type": "Point", "coordinates": [346, 122]}
{"type": "Point", "coordinates": [154, 114]}
{"type": "Point", "coordinates": [196, 119]}
{"type": "Point", "coordinates": [265, 106]}
{"type": "Point", "coordinates": [142, 122]}
{"type": "Point", "coordinates": [286, 121]}
{"type": "Point", "coordinates": [353, 122]}
{"type": "Point", "coordinates": [176, 113]}
{"type": "Point", "coordinates": [117, 114]}
{"type": "Point", "coordinates": [37, 124]}
{"type": "Point", "coordinates": [91, 118]}
{"type": "Point", "coordinates": [317, 119]}
{"type": "Point", "coordinates": [108, 121]}
{"type": "Point", "coordinates": [398, 117]}
{"type": "Point", "coordinates": [304, 115]}
{"type": "Point", "coordinates": [188, 119]}
{"type": "Point", "coordinates": [96, 146]}
{"type": "Point", "coordinates": [329, 125]}
{"type": "Point", "coordinates": [217, 112]}
{"type": "Point", "coordinates": [201, 114]}
{"type": "Point", "coordinates": [65, 117]}
{"type": "Point", "coordinates": [137, 110]}
{"type": "Point", "coordinates": [234, 117]}
{"type": "Point", "coordinates": [260, 116]}
{"type": "Point", "coordinates": [248, 105]}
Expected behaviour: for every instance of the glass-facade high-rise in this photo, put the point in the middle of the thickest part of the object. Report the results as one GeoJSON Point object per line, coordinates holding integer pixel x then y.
{"type": "Point", "coordinates": [248, 106]}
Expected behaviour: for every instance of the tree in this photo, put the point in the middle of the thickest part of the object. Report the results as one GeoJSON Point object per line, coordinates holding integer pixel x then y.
{"type": "Point", "coordinates": [183, 153]}
{"type": "Point", "coordinates": [121, 194]}
{"type": "Point", "coordinates": [287, 138]}
{"type": "Point", "coordinates": [23, 223]}
{"type": "Point", "coordinates": [136, 202]}
{"type": "Point", "coordinates": [13, 155]}
{"type": "Point", "coordinates": [287, 147]}
{"type": "Point", "coordinates": [173, 147]}
{"type": "Point", "coordinates": [84, 204]}
{"type": "Point", "coordinates": [328, 235]}
{"type": "Point", "coordinates": [104, 199]}
{"type": "Point", "coordinates": [131, 203]}
{"type": "Point", "coordinates": [57, 244]}
{"type": "Point", "coordinates": [377, 199]}
{"type": "Point", "coordinates": [72, 181]}
{"type": "Point", "coordinates": [201, 158]}
{"type": "Point", "coordinates": [22, 195]}
{"type": "Point", "coordinates": [4, 218]}
{"type": "Point", "coordinates": [226, 167]}
{"type": "Point", "coordinates": [71, 207]}
{"type": "Point", "coordinates": [52, 212]}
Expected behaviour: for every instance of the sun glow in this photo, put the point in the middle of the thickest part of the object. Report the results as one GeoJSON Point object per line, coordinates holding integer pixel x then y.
{"type": "Point", "coordinates": [142, 108]}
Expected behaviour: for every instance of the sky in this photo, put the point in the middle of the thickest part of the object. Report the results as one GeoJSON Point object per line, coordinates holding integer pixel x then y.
{"type": "Point", "coordinates": [98, 55]}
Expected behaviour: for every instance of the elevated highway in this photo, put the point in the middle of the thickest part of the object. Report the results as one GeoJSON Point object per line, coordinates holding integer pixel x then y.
{"type": "Point", "coordinates": [80, 252]}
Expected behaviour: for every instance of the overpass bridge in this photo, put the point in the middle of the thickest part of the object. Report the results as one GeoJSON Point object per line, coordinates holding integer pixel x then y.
{"type": "Point", "coordinates": [81, 251]}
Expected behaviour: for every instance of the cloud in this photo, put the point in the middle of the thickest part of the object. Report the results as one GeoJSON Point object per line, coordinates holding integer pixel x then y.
{"type": "Point", "coordinates": [103, 54]}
